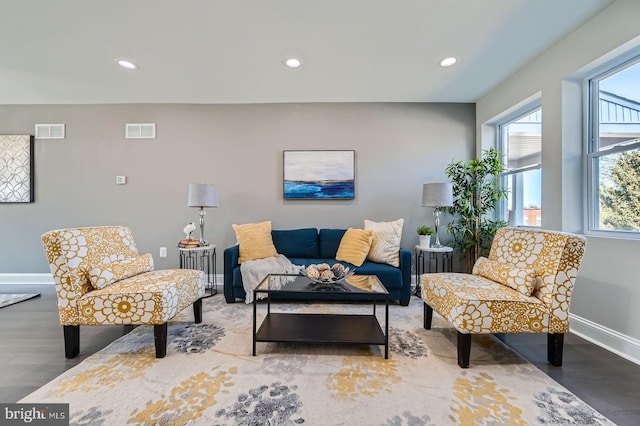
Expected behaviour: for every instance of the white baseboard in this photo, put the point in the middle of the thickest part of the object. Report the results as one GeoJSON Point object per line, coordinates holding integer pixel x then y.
{"type": "Point", "coordinates": [219, 280]}
{"type": "Point", "coordinates": [45, 278]}
{"type": "Point", "coordinates": [611, 340]}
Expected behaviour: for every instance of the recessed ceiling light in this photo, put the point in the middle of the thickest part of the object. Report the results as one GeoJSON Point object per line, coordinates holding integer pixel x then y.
{"type": "Point", "coordinates": [447, 62]}
{"type": "Point", "coordinates": [127, 64]}
{"type": "Point", "coordinates": [293, 62]}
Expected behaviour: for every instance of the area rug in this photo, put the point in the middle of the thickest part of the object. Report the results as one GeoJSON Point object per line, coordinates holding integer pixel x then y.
{"type": "Point", "coordinates": [210, 378]}
{"type": "Point", "coordinates": [11, 299]}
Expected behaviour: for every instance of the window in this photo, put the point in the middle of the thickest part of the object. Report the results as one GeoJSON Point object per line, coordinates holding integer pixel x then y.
{"type": "Point", "coordinates": [520, 140]}
{"type": "Point", "coordinates": [613, 159]}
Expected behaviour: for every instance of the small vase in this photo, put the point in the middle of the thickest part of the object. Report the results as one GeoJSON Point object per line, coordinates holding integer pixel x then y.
{"type": "Point", "coordinates": [424, 240]}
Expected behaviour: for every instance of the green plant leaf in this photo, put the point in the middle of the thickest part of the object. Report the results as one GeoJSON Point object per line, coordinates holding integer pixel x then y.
{"type": "Point", "coordinates": [476, 192]}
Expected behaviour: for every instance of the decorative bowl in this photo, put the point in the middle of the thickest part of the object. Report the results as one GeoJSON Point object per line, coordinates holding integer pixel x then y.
{"type": "Point", "coordinates": [324, 273]}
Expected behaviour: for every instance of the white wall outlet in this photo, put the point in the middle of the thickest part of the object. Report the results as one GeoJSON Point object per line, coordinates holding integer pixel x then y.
{"type": "Point", "coordinates": [121, 180]}
{"type": "Point", "coordinates": [163, 252]}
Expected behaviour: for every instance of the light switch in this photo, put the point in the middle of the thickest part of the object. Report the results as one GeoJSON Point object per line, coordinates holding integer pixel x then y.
{"type": "Point", "coordinates": [121, 180]}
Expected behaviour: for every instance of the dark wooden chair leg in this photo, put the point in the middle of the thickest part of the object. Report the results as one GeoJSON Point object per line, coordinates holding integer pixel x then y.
{"type": "Point", "coordinates": [428, 316]}
{"type": "Point", "coordinates": [464, 349]}
{"type": "Point", "coordinates": [197, 311]}
{"type": "Point", "coordinates": [71, 340]}
{"type": "Point", "coordinates": [555, 343]}
{"type": "Point", "coordinates": [160, 338]}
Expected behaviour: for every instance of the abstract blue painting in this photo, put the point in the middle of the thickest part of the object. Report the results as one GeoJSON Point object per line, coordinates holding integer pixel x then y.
{"type": "Point", "coordinates": [319, 174]}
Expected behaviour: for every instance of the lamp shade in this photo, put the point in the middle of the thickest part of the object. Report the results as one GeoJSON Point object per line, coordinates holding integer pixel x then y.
{"type": "Point", "coordinates": [437, 194]}
{"type": "Point", "coordinates": [203, 195]}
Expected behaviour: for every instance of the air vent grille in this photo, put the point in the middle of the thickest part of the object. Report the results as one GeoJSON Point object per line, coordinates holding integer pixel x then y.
{"type": "Point", "coordinates": [49, 131]}
{"type": "Point", "coordinates": [140, 130]}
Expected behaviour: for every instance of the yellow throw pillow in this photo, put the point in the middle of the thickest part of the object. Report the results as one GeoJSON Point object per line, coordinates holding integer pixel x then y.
{"type": "Point", "coordinates": [355, 246]}
{"type": "Point", "coordinates": [255, 241]}
{"type": "Point", "coordinates": [105, 274]}
{"type": "Point", "coordinates": [385, 247]}
{"type": "Point", "coordinates": [519, 279]}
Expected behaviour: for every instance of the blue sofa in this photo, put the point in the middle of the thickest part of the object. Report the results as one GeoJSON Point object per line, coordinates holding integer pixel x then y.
{"type": "Point", "coordinates": [310, 246]}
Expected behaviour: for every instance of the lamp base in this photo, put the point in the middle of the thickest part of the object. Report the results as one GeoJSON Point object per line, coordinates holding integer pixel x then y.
{"type": "Point", "coordinates": [436, 214]}
{"type": "Point", "coordinates": [203, 242]}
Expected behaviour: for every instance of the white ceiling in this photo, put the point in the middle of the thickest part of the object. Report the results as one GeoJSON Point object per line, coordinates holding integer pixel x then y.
{"type": "Point", "coordinates": [209, 51]}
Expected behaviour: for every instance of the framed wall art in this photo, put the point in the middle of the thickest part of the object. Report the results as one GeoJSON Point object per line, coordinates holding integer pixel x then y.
{"type": "Point", "coordinates": [16, 169]}
{"type": "Point", "coordinates": [319, 174]}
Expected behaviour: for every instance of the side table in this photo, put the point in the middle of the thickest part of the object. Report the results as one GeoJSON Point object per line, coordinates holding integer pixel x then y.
{"type": "Point", "coordinates": [204, 259]}
{"type": "Point", "coordinates": [435, 255]}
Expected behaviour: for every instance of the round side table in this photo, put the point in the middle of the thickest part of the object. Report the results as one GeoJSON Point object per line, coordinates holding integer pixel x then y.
{"type": "Point", "coordinates": [437, 255]}
{"type": "Point", "coordinates": [203, 259]}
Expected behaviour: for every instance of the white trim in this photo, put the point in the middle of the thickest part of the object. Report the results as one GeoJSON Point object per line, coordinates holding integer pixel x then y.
{"type": "Point", "coordinates": [611, 340]}
{"type": "Point", "coordinates": [219, 280]}
{"type": "Point", "coordinates": [46, 278]}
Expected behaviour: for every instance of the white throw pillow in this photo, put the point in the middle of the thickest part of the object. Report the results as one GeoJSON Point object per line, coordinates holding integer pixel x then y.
{"type": "Point", "coordinates": [386, 241]}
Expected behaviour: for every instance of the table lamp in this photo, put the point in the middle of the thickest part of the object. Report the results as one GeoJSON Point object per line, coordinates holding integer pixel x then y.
{"type": "Point", "coordinates": [202, 195]}
{"type": "Point", "coordinates": [437, 195]}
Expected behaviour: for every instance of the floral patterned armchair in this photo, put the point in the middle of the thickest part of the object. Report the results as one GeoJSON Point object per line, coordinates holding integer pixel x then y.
{"type": "Point", "coordinates": [101, 279]}
{"type": "Point", "coordinates": [524, 286]}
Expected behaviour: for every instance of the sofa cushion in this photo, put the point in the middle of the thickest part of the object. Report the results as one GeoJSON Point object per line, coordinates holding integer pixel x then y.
{"type": "Point", "coordinates": [355, 246]}
{"type": "Point", "coordinates": [150, 298]}
{"type": "Point", "coordinates": [389, 276]}
{"type": "Point", "coordinates": [474, 304]}
{"type": "Point", "coordinates": [306, 261]}
{"type": "Point", "coordinates": [386, 241]}
{"type": "Point", "coordinates": [104, 274]}
{"type": "Point", "coordinates": [255, 241]}
{"type": "Point", "coordinates": [329, 240]}
{"type": "Point", "coordinates": [297, 242]}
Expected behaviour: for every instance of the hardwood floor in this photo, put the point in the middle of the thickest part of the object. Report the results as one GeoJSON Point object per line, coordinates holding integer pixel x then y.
{"type": "Point", "coordinates": [32, 354]}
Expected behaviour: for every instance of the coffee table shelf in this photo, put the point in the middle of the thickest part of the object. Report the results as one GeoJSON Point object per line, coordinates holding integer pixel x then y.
{"type": "Point", "coordinates": [326, 327]}
{"type": "Point", "coordinates": [320, 328]}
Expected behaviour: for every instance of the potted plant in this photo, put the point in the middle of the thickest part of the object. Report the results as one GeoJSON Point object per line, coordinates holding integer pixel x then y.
{"type": "Point", "coordinates": [424, 235]}
{"type": "Point", "coordinates": [476, 192]}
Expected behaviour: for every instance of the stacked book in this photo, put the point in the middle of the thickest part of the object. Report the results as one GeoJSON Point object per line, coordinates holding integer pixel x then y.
{"type": "Point", "coordinates": [189, 243]}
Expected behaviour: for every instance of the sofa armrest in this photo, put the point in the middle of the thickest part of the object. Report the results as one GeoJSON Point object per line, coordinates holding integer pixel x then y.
{"type": "Point", "coordinates": [405, 268]}
{"type": "Point", "coordinates": [231, 257]}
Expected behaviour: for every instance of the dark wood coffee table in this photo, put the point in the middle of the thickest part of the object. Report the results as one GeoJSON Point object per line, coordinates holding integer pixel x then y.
{"type": "Point", "coordinates": [322, 328]}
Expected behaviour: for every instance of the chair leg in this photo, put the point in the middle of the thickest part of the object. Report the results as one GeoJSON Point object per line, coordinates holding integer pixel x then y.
{"type": "Point", "coordinates": [197, 311]}
{"type": "Point", "coordinates": [160, 338]}
{"type": "Point", "coordinates": [71, 340]}
{"type": "Point", "coordinates": [555, 343]}
{"type": "Point", "coordinates": [428, 316]}
{"type": "Point", "coordinates": [464, 349]}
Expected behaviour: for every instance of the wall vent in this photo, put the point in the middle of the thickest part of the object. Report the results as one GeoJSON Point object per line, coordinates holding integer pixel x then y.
{"type": "Point", "coordinates": [49, 131]}
{"type": "Point", "coordinates": [140, 130]}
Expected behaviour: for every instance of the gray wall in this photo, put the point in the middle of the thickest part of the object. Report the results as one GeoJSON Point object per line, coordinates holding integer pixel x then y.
{"type": "Point", "coordinates": [607, 291]}
{"type": "Point", "coordinates": [237, 147]}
